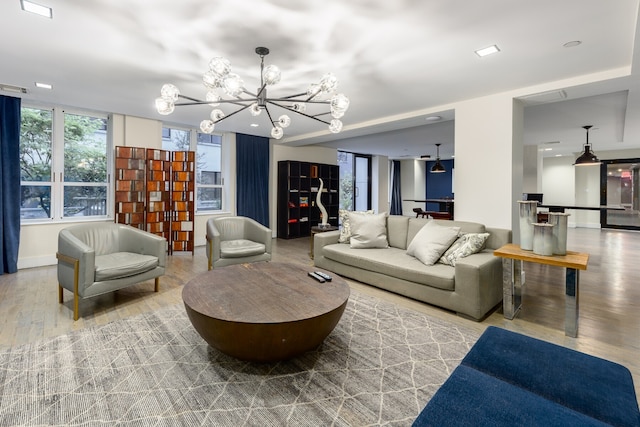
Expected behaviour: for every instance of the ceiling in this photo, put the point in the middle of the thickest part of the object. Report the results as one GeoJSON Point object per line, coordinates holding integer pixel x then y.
{"type": "Point", "coordinates": [398, 62]}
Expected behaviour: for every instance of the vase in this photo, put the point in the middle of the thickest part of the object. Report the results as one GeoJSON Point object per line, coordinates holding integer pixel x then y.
{"type": "Point", "coordinates": [559, 220]}
{"type": "Point", "coordinates": [543, 238]}
{"type": "Point", "coordinates": [528, 209]}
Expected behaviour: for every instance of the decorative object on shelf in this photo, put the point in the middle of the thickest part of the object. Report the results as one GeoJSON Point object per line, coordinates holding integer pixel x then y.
{"type": "Point", "coordinates": [219, 79]}
{"type": "Point", "coordinates": [527, 219]}
{"type": "Point", "coordinates": [588, 157]}
{"type": "Point", "coordinates": [323, 214]}
{"type": "Point", "coordinates": [559, 221]}
{"type": "Point", "coordinates": [438, 167]}
{"type": "Point", "coordinates": [543, 238]}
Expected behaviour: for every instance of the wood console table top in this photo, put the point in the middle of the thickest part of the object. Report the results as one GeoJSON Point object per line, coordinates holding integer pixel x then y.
{"type": "Point", "coordinates": [575, 260]}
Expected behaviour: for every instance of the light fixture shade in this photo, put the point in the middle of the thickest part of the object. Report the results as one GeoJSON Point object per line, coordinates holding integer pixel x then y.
{"type": "Point", "coordinates": [233, 84]}
{"type": "Point", "coordinates": [169, 92]}
{"type": "Point", "coordinates": [284, 121]}
{"type": "Point", "coordinates": [164, 107]}
{"type": "Point", "coordinates": [211, 80]}
{"type": "Point", "coordinates": [276, 132]}
{"type": "Point", "coordinates": [207, 126]}
{"type": "Point", "coordinates": [339, 105]}
{"type": "Point", "coordinates": [255, 109]}
{"type": "Point", "coordinates": [271, 74]}
{"type": "Point", "coordinates": [328, 83]}
{"type": "Point", "coordinates": [220, 66]}
{"type": "Point", "coordinates": [438, 167]}
{"type": "Point", "coordinates": [335, 126]}
{"type": "Point", "coordinates": [217, 115]}
{"type": "Point", "coordinates": [587, 158]}
{"type": "Point", "coordinates": [213, 98]}
{"type": "Point", "coordinates": [299, 107]}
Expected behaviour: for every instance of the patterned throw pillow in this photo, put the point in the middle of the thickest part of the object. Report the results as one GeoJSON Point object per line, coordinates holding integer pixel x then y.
{"type": "Point", "coordinates": [465, 245]}
{"type": "Point", "coordinates": [345, 231]}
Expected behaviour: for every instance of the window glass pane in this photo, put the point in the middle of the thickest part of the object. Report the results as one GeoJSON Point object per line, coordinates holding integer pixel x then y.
{"type": "Point", "coordinates": [85, 200]}
{"type": "Point", "coordinates": [209, 198]}
{"type": "Point", "coordinates": [85, 149]}
{"type": "Point", "coordinates": [35, 202]}
{"type": "Point", "coordinates": [208, 167]}
{"type": "Point", "coordinates": [36, 145]}
{"type": "Point", "coordinates": [176, 139]}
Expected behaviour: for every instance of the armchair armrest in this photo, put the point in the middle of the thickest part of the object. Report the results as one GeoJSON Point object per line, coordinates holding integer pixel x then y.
{"type": "Point", "coordinates": [134, 240]}
{"type": "Point", "coordinates": [213, 243]}
{"type": "Point", "coordinates": [71, 248]}
{"type": "Point", "coordinates": [257, 232]}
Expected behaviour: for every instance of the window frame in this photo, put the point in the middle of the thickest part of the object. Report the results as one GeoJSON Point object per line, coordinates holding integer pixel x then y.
{"type": "Point", "coordinates": [193, 146]}
{"type": "Point", "coordinates": [56, 181]}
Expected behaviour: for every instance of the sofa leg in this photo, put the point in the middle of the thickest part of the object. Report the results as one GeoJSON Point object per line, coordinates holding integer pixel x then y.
{"type": "Point", "coordinates": [157, 284]}
{"type": "Point", "coordinates": [59, 293]}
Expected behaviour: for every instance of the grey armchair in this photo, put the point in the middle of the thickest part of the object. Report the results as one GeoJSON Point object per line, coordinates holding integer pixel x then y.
{"type": "Point", "coordinates": [236, 240]}
{"type": "Point", "coordinates": [97, 258]}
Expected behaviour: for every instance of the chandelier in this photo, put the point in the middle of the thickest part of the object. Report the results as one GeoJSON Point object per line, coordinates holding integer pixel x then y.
{"type": "Point", "coordinates": [225, 87]}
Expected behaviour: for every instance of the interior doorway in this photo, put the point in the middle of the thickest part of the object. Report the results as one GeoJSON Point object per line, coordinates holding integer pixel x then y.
{"type": "Point", "coordinates": [620, 185]}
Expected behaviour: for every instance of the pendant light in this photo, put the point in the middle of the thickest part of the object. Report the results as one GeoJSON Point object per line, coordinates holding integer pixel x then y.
{"type": "Point", "coordinates": [588, 157]}
{"type": "Point", "coordinates": [438, 167]}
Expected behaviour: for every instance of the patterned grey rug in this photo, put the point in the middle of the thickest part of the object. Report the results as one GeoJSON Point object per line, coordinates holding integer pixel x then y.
{"type": "Point", "coordinates": [380, 366]}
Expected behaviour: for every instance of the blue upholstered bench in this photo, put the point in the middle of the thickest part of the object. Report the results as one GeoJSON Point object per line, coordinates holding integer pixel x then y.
{"type": "Point", "coordinates": [508, 379]}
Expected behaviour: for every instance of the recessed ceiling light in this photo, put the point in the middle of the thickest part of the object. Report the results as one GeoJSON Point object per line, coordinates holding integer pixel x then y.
{"type": "Point", "coordinates": [558, 155]}
{"type": "Point", "coordinates": [487, 51]}
{"type": "Point", "coordinates": [254, 125]}
{"type": "Point", "coordinates": [36, 8]}
{"type": "Point", "coordinates": [44, 85]}
{"type": "Point", "coordinates": [573, 43]}
{"type": "Point", "coordinates": [433, 118]}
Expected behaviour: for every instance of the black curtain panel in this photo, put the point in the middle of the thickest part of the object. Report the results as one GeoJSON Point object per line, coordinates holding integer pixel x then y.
{"type": "Point", "coordinates": [396, 198]}
{"type": "Point", "coordinates": [9, 183]}
{"type": "Point", "coordinates": [252, 171]}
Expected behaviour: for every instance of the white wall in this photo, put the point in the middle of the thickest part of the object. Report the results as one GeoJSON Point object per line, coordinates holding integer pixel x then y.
{"type": "Point", "coordinates": [380, 184]}
{"type": "Point", "coordinates": [532, 169]}
{"type": "Point", "coordinates": [488, 157]}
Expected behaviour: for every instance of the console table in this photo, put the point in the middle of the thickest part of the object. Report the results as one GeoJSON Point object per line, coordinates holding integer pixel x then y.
{"type": "Point", "coordinates": [512, 267]}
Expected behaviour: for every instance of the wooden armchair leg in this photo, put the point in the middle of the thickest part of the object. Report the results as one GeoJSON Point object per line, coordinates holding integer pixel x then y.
{"type": "Point", "coordinates": [157, 284]}
{"type": "Point", "coordinates": [60, 289]}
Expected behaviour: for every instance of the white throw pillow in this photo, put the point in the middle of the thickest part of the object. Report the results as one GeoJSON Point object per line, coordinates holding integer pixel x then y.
{"type": "Point", "coordinates": [345, 230]}
{"type": "Point", "coordinates": [465, 245]}
{"type": "Point", "coordinates": [368, 230]}
{"type": "Point", "coordinates": [431, 242]}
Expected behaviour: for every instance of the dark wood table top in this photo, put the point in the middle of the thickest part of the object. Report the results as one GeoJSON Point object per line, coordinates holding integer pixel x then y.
{"type": "Point", "coordinates": [263, 292]}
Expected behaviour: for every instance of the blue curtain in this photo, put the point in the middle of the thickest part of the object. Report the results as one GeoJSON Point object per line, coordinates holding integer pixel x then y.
{"type": "Point", "coordinates": [252, 171]}
{"type": "Point", "coordinates": [9, 183]}
{"type": "Point", "coordinates": [396, 198]}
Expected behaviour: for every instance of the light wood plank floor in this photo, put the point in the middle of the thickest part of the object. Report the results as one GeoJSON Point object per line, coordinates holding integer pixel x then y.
{"type": "Point", "coordinates": [609, 324]}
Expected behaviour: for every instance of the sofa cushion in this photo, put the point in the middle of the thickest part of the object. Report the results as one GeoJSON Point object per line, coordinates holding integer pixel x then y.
{"type": "Point", "coordinates": [122, 264]}
{"type": "Point", "coordinates": [368, 231]}
{"type": "Point", "coordinates": [393, 262]}
{"type": "Point", "coordinates": [465, 245]}
{"type": "Point", "coordinates": [397, 227]}
{"type": "Point", "coordinates": [431, 242]}
{"type": "Point", "coordinates": [240, 248]}
{"type": "Point", "coordinates": [345, 230]}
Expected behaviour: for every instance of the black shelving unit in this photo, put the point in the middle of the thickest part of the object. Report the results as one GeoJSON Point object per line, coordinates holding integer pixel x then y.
{"type": "Point", "coordinates": [298, 186]}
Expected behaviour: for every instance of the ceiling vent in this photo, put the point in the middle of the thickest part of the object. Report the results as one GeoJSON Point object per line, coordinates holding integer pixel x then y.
{"type": "Point", "coordinates": [13, 89]}
{"type": "Point", "coordinates": [544, 97]}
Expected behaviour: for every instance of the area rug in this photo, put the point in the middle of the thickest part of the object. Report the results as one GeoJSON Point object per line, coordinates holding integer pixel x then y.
{"type": "Point", "coordinates": [380, 366]}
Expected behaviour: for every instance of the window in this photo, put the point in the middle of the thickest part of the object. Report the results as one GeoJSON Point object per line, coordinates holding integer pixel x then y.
{"type": "Point", "coordinates": [208, 148]}
{"type": "Point", "coordinates": [69, 147]}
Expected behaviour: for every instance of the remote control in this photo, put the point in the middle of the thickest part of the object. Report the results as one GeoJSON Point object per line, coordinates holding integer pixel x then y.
{"type": "Point", "coordinates": [315, 276]}
{"type": "Point", "coordinates": [325, 276]}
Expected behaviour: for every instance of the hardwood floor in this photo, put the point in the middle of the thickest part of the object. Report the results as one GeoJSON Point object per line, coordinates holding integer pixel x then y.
{"type": "Point", "coordinates": [609, 322]}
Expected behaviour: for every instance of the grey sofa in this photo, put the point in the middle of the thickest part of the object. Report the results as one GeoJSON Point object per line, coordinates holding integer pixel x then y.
{"type": "Point", "coordinates": [472, 288]}
{"type": "Point", "coordinates": [236, 240]}
{"type": "Point", "coordinates": [96, 258]}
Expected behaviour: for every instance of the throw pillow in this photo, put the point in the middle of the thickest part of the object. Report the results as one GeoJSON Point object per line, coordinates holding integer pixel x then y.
{"type": "Point", "coordinates": [368, 230]}
{"type": "Point", "coordinates": [431, 242]}
{"type": "Point", "coordinates": [345, 231]}
{"type": "Point", "coordinates": [465, 245]}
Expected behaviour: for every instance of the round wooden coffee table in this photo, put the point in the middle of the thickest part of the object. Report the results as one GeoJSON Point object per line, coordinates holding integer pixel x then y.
{"type": "Point", "coordinates": [264, 311]}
